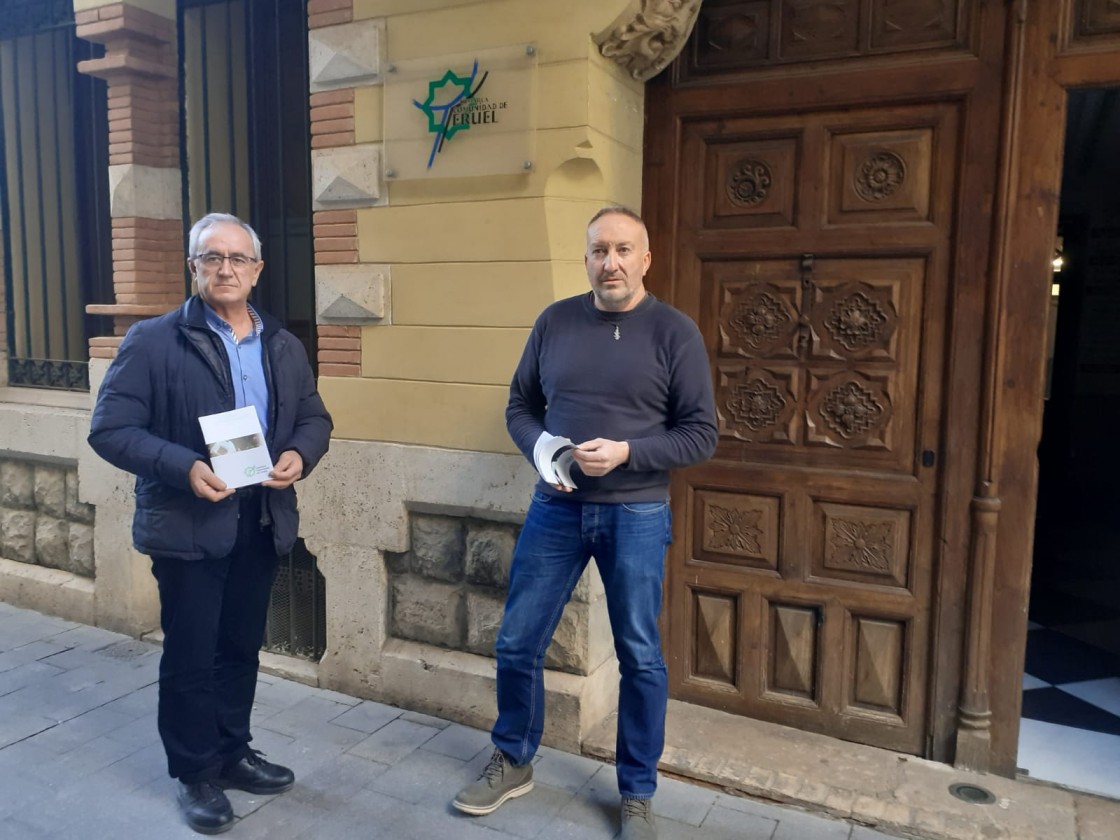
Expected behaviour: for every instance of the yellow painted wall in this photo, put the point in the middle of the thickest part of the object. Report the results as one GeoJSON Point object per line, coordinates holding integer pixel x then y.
{"type": "Point", "coordinates": [451, 415]}
{"type": "Point", "coordinates": [473, 355]}
{"type": "Point", "coordinates": [473, 261]}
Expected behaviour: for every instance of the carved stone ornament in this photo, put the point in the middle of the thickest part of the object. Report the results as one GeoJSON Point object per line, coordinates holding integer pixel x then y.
{"type": "Point", "coordinates": [749, 183]}
{"type": "Point", "coordinates": [880, 175]}
{"type": "Point", "coordinates": [648, 35]}
{"type": "Point", "coordinates": [756, 405]}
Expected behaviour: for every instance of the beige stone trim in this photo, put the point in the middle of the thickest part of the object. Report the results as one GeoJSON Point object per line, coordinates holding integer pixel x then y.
{"type": "Point", "coordinates": [352, 294]}
{"type": "Point", "coordinates": [648, 35]}
{"type": "Point", "coordinates": [147, 192]}
{"type": "Point", "coordinates": [347, 55]}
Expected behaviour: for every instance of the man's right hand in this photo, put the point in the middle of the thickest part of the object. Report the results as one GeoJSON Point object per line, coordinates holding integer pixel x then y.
{"type": "Point", "coordinates": [207, 485]}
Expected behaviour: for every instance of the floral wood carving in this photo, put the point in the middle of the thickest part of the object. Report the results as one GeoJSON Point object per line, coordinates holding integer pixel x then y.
{"type": "Point", "coordinates": [755, 405]}
{"type": "Point", "coordinates": [881, 175]}
{"type": "Point", "coordinates": [648, 35]}
{"type": "Point", "coordinates": [856, 321]}
{"type": "Point", "coordinates": [749, 183]}
{"type": "Point", "coordinates": [851, 410]}
{"type": "Point", "coordinates": [734, 529]}
{"type": "Point", "coordinates": [859, 545]}
{"type": "Point", "coordinates": [759, 321]}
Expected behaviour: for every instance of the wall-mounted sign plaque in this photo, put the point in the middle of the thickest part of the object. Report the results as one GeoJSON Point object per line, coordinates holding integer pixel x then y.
{"type": "Point", "coordinates": [467, 114]}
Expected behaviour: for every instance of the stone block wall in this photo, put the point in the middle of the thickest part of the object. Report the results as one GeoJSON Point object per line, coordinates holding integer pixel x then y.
{"type": "Point", "coordinates": [449, 589]}
{"type": "Point", "coordinates": [41, 520]}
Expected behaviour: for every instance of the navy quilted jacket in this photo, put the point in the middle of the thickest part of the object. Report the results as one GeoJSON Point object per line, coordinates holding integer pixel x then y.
{"type": "Point", "coordinates": [168, 372]}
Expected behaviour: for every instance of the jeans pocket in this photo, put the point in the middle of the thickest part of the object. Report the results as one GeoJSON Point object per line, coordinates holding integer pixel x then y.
{"type": "Point", "coordinates": [644, 507]}
{"type": "Point", "coordinates": [540, 498]}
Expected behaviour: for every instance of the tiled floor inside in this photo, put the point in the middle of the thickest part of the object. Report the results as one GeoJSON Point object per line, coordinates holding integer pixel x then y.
{"type": "Point", "coordinates": [1070, 727]}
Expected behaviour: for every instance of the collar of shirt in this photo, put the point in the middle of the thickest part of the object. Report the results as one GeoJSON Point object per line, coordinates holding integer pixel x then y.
{"type": "Point", "coordinates": [219, 324]}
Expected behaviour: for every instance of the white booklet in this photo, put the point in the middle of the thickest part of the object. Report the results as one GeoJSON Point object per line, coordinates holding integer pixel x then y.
{"type": "Point", "coordinates": [553, 458]}
{"type": "Point", "coordinates": [238, 454]}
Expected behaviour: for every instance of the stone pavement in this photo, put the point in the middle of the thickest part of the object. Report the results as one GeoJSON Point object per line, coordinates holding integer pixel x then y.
{"type": "Point", "coordinates": [80, 758]}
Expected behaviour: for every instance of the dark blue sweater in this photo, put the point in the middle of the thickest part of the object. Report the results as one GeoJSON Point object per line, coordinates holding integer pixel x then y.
{"type": "Point", "coordinates": [650, 387]}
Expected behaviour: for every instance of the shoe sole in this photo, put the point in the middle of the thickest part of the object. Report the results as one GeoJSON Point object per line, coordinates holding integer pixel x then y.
{"type": "Point", "coordinates": [483, 810]}
{"type": "Point", "coordinates": [221, 829]}
{"type": "Point", "coordinates": [257, 791]}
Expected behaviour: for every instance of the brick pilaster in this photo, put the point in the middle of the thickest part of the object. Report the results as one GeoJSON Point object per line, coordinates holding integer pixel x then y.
{"type": "Point", "coordinates": [141, 68]}
{"type": "Point", "coordinates": [340, 350]}
{"type": "Point", "coordinates": [335, 231]}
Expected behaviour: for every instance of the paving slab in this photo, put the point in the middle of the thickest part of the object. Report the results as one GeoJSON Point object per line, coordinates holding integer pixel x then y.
{"type": "Point", "coordinates": [880, 791]}
{"type": "Point", "coordinates": [80, 759]}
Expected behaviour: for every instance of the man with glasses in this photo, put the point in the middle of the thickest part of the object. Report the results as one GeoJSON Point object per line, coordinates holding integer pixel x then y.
{"type": "Point", "coordinates": [214, 550]}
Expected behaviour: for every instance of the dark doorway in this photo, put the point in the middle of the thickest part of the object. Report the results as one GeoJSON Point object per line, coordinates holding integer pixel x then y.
{"type": "Point", "coordinates": [1070, 731]}
{"type": "Point", "coordinates": [247, 138]}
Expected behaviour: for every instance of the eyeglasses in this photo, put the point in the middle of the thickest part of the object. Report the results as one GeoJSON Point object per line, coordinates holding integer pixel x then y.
{"type": "Point", "coordinates": [212, 262]}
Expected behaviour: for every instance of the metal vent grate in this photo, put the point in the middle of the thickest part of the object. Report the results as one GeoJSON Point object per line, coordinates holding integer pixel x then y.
{"type": "Point", "coordinates": [297, 612]}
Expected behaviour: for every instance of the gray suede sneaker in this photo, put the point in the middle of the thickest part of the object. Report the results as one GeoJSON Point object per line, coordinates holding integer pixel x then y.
{"type": "Point", "coordinates": [637, 819]}
{"type": "Point", "coordinates": [499, 782]}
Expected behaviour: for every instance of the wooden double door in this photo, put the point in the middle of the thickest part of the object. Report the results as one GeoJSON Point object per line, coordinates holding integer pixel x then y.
{"type": "Point", "coordinates": [823, 218]}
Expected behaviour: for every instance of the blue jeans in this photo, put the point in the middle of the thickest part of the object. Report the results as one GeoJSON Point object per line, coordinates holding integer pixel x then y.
{"type": "Point", "coordinates": [628, 543]}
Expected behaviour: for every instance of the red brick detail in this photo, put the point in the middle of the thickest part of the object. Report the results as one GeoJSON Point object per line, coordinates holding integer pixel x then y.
{"type": "Point", "coordinates": [336, 217]}
{"type": "Point", "coordinates": [335, 257]}
{"type": "Point", "coordinates": [329, 18]}
{"type": "Point", "coordinates": [347, 243]}
{"type": "Point", "coordinates": [336, 230]}
{"type": "Point", "coordinates": [333, 127]}
{"type": "Point", "coordinates": [342, 357]}
{"type": "Point", "coordinates": [332, 97]}
{"type": "Point", "coordinates": [340, 370]}
{"type": "Point", "coordinates": [315, 7]}
{"type": "Point", "coordinates": [141, 67]}
{"type": "Point", "coordinates": [148, 261]}
{"type": "Point", "coordinates": [327, 343]}
{"type": "Point", "coordinates": [338, 111]}
{"type": "Point", "coordinates": [330, 141]}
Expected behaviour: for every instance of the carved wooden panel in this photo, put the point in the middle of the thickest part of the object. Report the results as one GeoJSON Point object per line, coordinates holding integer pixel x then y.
{"type": "Point", "coordinates": [792, 650]}
{"type": "Point", "coordinates": [861, 544]}
{"type": "Point", "coordinates": [751, 183]}
{"type": "Point", "coordinates": [760, 319]}
{"type": "Point", "coordinates": [881, 176]}
{"type": "Point", "coordinates": [736, 528]}
{"type": "Point", "coordinates": [856, 320]}
{"type": "Point", "coordinates": [818, 355]}
{"type": "Point", "coordinates": [849, 410]}
{"type": "Point", "coordinates": [913, 23]}
{"type": "Point", "coordinates": [715, 633]}
{"type": "Point", "coordinates": [1094, 18]}
{"type": "Point", "coordinates": [814, 29]}
{"type": "Point", "coordinates": [878, 648]}
{"type": "Point", "coordinates": [731, 36]}
{"type": "Point", "coordinates": [756, 404]}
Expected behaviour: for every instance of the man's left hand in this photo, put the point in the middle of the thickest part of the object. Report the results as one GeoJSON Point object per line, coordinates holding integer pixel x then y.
{"type": "Point", "coordinates": [288, 469]}
{"type": "Point", "coordinates": [600, 456]}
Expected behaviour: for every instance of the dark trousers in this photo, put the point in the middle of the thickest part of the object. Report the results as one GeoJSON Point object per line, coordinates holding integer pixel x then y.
{"type": "Point", "coordinates": [213, 615]}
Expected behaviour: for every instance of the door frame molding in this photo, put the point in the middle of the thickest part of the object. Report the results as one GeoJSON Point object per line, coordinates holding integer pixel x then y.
{"type": "Point", "coordinates": [1015, 358]}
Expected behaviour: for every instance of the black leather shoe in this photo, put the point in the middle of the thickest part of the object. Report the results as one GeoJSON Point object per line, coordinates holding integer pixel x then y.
{"type": "Point", "coordinates": [205, 807]}
{"type": "Point", "coordinates": [255, 775]}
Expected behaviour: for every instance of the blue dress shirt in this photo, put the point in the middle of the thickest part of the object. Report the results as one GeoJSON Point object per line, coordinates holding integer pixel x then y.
{"type": "Point", "coordinates": [246, 364]}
